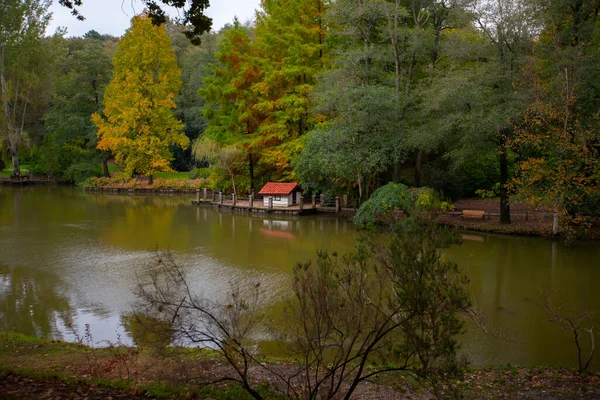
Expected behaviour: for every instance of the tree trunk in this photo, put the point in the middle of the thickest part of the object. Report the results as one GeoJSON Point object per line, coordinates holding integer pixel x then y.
{"type": "Point", "coordinates": [396, 176]}
{"type": "Point", "coordinates": [555, 219]}
{"type": "Point", "coordinates": [504, 203]}
{"type": "Point", "coordinates": [105, 167]}
{"type": "Point", "coordinates": [418, 168]}
{"type": "Point", "coordinates": [15, 160]}
{"type": "Point", "coordinates": [251, 171]}
{"type": "Point", "coordinates": [233, 184]}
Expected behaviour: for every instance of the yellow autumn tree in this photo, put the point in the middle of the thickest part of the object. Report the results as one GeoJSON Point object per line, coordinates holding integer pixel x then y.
{"type": "Point", "coordinates": [138, 125]}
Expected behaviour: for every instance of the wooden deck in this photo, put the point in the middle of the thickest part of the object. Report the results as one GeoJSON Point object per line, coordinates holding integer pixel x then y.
{"type": "Point", "coordinates": [258, 207]}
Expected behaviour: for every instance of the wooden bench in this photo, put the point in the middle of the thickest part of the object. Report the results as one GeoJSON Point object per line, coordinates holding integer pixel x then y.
{"type": "Point", "coordinates": [476, 214]}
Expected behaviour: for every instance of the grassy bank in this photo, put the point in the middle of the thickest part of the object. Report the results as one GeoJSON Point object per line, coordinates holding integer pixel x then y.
{"type": "Point", "coordinates": [30, 367]}
{"type": "Point", "coordinates": [8, 171]}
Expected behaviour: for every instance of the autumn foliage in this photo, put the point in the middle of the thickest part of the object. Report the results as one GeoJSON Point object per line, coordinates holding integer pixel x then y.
{"type": "Point", "coordinates": [139, 125]}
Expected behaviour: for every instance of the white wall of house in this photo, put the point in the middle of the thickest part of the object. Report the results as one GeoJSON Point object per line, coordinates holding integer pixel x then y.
{"type": "Point", "coordinates": [279, 201]}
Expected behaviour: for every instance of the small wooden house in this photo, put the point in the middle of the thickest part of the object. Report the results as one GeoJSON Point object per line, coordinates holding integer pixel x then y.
{"type": "Point", "coordinates": [283, 194]}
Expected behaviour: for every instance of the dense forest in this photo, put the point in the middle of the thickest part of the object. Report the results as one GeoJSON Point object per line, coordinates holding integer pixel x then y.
{"type": "Point", "coordinates": [470, 97]}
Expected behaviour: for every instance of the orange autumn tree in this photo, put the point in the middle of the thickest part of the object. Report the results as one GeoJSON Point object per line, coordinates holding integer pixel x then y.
{"type": "Point", "coordinates": [138, 124]}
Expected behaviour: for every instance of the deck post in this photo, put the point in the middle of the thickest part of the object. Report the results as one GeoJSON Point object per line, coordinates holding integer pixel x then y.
{"type": "Point", "coordinates": [251, 200]}
{"type": "Point", "coordinates": [321, 200]}
{"type": "Point", "coordinates": [205, 194]}
{"type": "Point", "coordinates": [301, 203]}
{"type": "Point", "coordinates": [314, 201]}
{"type": "Point", "coordinates": [270, 202]}
{"type": "Point", "coordinates": [212, 196]}
{"type": "Point", "coordinates": [337, 204]}
{"type": "Point", "coordinates": [234, 199]}
{"type": "Point", "coordinates": [198, 196]}
{"type": "Point", "coordinates": [220, 197]}
{"type": "Point", "coordinates": [345, 201]}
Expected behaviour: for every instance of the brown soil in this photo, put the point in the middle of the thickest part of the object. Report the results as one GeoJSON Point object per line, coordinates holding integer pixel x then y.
{"type": "Point", "coordinates": [14, 386]}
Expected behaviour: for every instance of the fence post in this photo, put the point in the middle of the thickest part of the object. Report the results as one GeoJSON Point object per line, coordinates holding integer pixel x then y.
{"type": "Point", "coordinates": [270, 202]}
{"type": "Point", "coordinates": [220, 197]}
{"type": "Point", "coordinates": [314, 201]}
{"type": "Point", "coordinates": [301, 204]}
{"type": "Point", "coordinates": [337, 204]}
{"type": "Point", "coordinates": [197, 196]}
{"type": "Point", "coordinates": [205, 191]}
{"type": "Point", "coordinates": [321, 199]}
{"type": "Point", "coordinates": [345, 201]}
{"type": "Point", "coordinates": [234, 199]}
{"type": "Point", "coordinates": [212, 200]}
{"type": "Point", "coordinates": [251, 200]}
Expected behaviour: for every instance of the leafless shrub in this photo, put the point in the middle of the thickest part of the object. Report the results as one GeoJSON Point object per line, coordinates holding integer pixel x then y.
{"type": "Point", "coordinates": [574, 324]}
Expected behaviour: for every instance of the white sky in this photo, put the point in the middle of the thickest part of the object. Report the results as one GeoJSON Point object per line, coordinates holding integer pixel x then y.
{"type": "Point", "coordinates": [113, 16]}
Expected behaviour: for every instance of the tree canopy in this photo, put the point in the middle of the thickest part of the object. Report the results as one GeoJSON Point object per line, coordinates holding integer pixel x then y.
{"type": "Point", "coordinates": [193, 14]}
{"type": "Point", "coordinates": [139, 125]}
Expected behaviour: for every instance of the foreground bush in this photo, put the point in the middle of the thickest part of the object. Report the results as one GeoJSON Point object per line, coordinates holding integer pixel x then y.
{"type": "Point", "coordinates": [392, 306]}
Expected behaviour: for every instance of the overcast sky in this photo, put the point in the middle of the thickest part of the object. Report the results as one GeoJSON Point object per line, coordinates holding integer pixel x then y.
{"type": "Point", "coordinates": [113, 16]}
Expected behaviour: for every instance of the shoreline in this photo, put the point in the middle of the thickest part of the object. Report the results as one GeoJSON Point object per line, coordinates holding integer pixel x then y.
{"type": "Point", "coordinates": [36, 366]}
{"type": "Point", "coordinates": [526, 221]}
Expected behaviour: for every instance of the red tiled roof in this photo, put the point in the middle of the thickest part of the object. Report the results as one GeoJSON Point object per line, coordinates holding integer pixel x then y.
{"type": "Point", "coordinates": [278, 188]}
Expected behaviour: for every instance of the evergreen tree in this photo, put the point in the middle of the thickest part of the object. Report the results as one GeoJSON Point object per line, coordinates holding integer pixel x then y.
{"type": "Point", "coordinates": [139, 124]}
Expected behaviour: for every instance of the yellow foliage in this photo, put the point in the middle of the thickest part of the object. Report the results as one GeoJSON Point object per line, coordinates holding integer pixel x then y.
{"type": "Point", "coordinates": [138, 125]}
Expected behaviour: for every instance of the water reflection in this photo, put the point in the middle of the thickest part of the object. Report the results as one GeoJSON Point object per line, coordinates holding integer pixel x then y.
{"type": "Point", "coordinates": [31, 302]}
{"type": "Point", "coordinates": [68, 256]}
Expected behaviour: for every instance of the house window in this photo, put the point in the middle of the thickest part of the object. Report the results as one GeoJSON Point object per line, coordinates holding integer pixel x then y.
{"type": "Point", "coordinates": [277, 198]}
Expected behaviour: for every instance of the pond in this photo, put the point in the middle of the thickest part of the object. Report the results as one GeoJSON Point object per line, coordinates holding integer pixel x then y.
{"type": "Point", "coordinates": [69, 258]}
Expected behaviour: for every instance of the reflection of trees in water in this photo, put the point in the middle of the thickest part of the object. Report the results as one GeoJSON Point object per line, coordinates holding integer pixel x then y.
{"type": "Point", "coordinates": [142, 222]}
{"type": "Point", "coordinates": [147, 331]}
{"type": "Point", "coordinates": [30, 302]}
{"type": "Point", "coordinates": [139, 200]}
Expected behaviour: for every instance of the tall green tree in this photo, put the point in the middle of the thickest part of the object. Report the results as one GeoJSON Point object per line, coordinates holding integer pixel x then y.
{"type": "Point", "coordinates": [22, 68]}
{"type": "Point", "coordinates": [228, 93]}
{"type": "Point", "coordinates": [357, 98]}
{"type": "Point", "coordinates": [290, 48]}
{"type": "Point", "coordinates": [193, 61]}
{"type": "Point", "coordinates": [559, 137]}
{"type": "Point", "coordinates": [138, 102]}
{"type": "Point", "coordinates": [70, 142]}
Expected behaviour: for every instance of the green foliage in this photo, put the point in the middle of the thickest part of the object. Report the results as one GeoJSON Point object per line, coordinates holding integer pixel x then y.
{"type": "Point", "coordinates": [434, 286]}
{"type": "Point", "coordinates": [396, 197]}
{"type": "Point", "coordinates": [72, 162]}
{"type": "Point", "coordinates": [489, 193]}
{"type": "Point", "coordinates": [200, 173]}
{"type": "Point", "coordinates": [26, 70]}
{"type": "Point", "coordinates": [395, 299]}
{"type": "Point", "coordinates": [392, 196]}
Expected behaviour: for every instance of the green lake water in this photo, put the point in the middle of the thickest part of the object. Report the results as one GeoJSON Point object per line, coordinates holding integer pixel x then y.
{"type": "Point", "coordinates": [70, 258]}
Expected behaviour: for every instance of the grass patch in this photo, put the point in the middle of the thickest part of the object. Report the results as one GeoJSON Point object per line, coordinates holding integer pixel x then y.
{"type": "Point", "coordinates": [69, 367]}
{"type": "Point", "coordinates": [173, 175]}
{"type": "Point", "coordinates": [113, 168]}
{"type": "Point", "coordinates": [9, 171]}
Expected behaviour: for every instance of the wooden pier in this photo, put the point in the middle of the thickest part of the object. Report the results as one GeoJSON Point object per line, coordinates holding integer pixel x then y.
{"type": "Point", "coordinates": [250, 205]}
